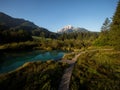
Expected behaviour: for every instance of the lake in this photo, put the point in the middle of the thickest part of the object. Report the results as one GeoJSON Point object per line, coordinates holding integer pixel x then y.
{"type": "Point", "coordinates": [11, 60]}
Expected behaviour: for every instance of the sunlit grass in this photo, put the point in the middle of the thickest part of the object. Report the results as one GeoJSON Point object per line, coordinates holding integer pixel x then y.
{"type": "Point", "coordinates": [97, 70]}
{"type": "Point", "coordinates": [69, 56]}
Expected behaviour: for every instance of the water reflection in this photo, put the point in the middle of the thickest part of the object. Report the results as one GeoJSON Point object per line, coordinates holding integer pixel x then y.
{"type": "Point", "coordinates": [11, 61]}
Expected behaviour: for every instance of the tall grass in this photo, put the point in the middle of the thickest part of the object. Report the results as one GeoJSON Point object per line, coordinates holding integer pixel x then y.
{"type": "Point", "coordinates": [34, 76]}
{"type": "Point", "coordinates": [97, 70]}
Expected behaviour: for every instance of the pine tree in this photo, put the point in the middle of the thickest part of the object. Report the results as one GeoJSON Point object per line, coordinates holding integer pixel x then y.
{"type": "Point", "coordinates": [103, 38]}
{"type": "Point", "coordinates": [106, 25]}
{"type": "Point", "coordinates": [115, 29]}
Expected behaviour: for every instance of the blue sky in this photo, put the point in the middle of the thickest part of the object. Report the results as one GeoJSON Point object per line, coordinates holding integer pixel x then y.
{"type": "Point", "coordinates": [55, 14]}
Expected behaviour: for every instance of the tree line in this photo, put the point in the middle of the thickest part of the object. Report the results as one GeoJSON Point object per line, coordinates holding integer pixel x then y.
{"type": "Point", "coordinates": [110, 31]}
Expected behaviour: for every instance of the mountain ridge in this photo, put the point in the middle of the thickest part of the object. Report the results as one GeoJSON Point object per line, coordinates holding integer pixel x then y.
{"type": "Point", "coordinates": [10, 23]}
{"type": "Point", "coordinates": [17, 30]}
{"type": "Point", "coordinates": [14, 22]}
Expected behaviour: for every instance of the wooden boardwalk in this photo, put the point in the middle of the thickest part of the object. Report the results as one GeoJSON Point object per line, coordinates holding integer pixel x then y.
{"type": "Point", "coordinates": [65, 81]}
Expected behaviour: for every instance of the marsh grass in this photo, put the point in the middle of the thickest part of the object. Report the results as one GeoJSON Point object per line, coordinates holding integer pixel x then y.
{"type": "Point", "coordinates": [34, 76]}
{"type": "Point", "coordinates": [97, 70]}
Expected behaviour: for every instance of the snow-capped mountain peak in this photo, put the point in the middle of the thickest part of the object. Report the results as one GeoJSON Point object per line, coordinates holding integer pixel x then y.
{"type": "Point", "coordinates": [70, 29]}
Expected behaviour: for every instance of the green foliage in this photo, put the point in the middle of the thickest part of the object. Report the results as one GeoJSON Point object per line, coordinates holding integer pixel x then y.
{"type": "Point", "coordinates": [53, 44]}
{"type": "Point", "coordinates": [79, 35]}
{"type": "Point", "coordinates": [97, 70]}
{"type": "Point", "coordinates": [106, 25]}
{"type": "Point", "coordinates": [115, 29]}
{"type": "Point", "coordinates": [103, 38]}
{"type": "Point", "coordinates": [18, 46]}
{"type": "Point", "coordinates": [110, 34]}
{"type": "Point", "coordinates": [34, 76]}
{"type": "Point", "coordinates": [47, 44]}
{"type": "Point", "coordinates": [9, 36]}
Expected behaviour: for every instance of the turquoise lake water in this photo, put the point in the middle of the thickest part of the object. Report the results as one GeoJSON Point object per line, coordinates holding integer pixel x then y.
{"type": "Point", "coordinates": [10, 61]}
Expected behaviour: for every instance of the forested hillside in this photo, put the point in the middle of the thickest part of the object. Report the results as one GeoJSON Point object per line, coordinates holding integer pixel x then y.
{"type": "Point", "coordinates": [19, 30]}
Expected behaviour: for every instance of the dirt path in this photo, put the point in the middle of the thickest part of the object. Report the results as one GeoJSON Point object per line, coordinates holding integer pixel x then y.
{"type": "Point", "coordinates": [65, 81]}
